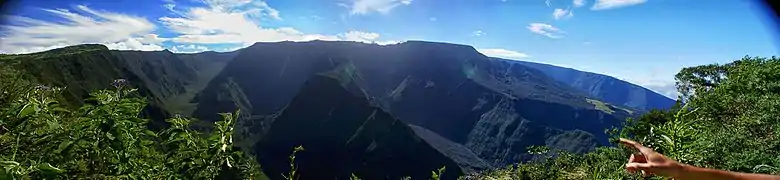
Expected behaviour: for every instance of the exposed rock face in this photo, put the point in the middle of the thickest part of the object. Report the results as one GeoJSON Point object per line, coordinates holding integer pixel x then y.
{"type": "Point", "coordinates": [606, 88]}
{"type": "Point", "coordinates": [493, 107]}
{"type": "Point", "coordinates": [342, 133]}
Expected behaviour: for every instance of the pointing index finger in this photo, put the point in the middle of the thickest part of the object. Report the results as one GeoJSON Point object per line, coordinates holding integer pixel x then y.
{"type": "Point", "coordinates": [636, 145]}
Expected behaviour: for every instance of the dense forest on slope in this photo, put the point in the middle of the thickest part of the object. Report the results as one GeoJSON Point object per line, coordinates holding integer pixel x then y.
{"type": "Point", "coordinates": [606, 88]}
{"type": "Point", "coordinates": [57, 121]}
{"type": "Point", "coordinates": [168, 80]}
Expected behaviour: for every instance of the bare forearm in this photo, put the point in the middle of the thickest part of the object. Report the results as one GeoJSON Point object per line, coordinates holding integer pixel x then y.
{"type": "Point", "coordinates": [693, 173]}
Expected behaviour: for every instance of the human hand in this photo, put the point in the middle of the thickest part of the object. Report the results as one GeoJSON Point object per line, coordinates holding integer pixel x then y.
{"type": "Point", "coordinates": [650, 162]}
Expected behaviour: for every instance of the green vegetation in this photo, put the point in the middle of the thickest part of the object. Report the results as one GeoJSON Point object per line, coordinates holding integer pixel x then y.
{"type": "Point", "coordinates": [105, 139]}
{"type": "Point", "coordinates": [729, 121]}
{"type": "Point", "coordinates": [601, 106]}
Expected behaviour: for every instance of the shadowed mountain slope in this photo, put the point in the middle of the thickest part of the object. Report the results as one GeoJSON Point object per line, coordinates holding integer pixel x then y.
{"type": "Point", "coordinates": [342, 133]}
{"type": "Point", "coordinates": [606, 88]}
{"type": "Point", "coordinates": [496, 108]}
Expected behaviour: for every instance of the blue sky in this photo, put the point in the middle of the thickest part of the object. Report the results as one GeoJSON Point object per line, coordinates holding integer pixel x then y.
{"type": "Point", "coordinates": [642, 41]}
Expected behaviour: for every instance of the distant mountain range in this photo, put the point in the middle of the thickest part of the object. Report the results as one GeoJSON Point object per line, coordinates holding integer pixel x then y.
{"type": "Point", "coordinates": [379, 111]}
{"type": "Point", "coordinates": [606, 88]}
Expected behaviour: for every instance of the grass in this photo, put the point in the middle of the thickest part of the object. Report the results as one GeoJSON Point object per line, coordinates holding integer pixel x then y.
{"type": "Point", "coordinates": [601, 106]}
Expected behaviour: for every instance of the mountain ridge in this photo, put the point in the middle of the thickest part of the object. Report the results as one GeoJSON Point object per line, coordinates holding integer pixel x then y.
{"type": "Point", "coordinates": [476, 111]}
{"type": "Point", "coordinates": [604, 87]}
{"type": "Point", "coordinates": [494, 108]}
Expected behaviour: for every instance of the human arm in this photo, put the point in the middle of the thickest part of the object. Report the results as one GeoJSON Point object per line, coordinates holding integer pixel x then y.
{"type": "Point", "coordinates": [651, 162]}
{"type": "Point", "coordinates": [693, 172]}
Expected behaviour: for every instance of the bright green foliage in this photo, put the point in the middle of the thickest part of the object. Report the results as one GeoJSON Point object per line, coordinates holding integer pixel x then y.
{"type": "Point", "coordinates": [106, 139]}
{"type": "Point", "coordinates": [437, 175]}
{"type": "Point", "coordinates": [736, 123]}
{"type": "Point", "coordinates": [293, 168]}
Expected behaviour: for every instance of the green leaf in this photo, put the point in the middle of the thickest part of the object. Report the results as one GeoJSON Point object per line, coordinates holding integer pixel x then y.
{"type": "Point", "coordinates": [59, 109]}
{"type": "Point", "coordinates": [48, 168]}
{"type": "Point", "coordinates": [150, 133]}
{"type": "Point", "coordinates": [9, 163]}
{"type": "Point", "coordinates": [110, 136]}
{"type": "Point", "coordinates": [63, 146]}
{"type": "Point", "coordinates": [26, 110]}
{"type": "Point", "coordinates": [668, 140]}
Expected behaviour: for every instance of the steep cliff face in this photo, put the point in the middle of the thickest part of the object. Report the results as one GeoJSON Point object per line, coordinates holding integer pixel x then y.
{"type": "Point", "coordinates": [342, 133]}
{"type": "Point", "coordinates": [494, 107]}
{"type": "Point", "coordinates": [606, 88]}
{"type": "Point", "coordinates": [270, 74]}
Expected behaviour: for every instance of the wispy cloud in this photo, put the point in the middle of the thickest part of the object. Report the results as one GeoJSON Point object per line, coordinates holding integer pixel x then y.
{"type": "Point", "coordinates": [189, 48]}
{"type": "Point", "coordinates": [667, 89]}
{"type": "Point", "coordinates": [85, 25]}
{"type": "Point", "coordinates": [578, 3]}
{"type": "Point", "coordinates": [503, 53]}
{"type": "Point", "coordinates": [232, 22]}
{"type": "Point", "coordinates": [612, 4]}
{"type": "Point", "coordinates": [546, 30]}
{"type": "Point", "coordinates": [268, 10]}
{"type": "Point", "coordinates": [478, 33]}
{"type": "Point", "coordinates": [360, 7]}
{"type": "Point", "coordinates": [562, 14]}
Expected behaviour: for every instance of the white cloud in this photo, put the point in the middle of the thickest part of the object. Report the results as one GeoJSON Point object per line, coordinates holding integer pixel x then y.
{"type": "Point", "coordinates": [231, 23]}
{"type": "Point", "coordinates": [432, 19]}
{"type": "Point", "coordinates": [612, 4]}
{"type": "Point", "coordinates": [578, 3]}
{"type": "Point", "coordinates": [216, 24]}
{"type": "Point", "coordinates": [169, 7]}
{"type": "Point", "coordinates": [666, 89]}
{"type": "Point", "coordinates": [188, 48]}
{"type": "Point", "coordinates": [562, 14]}
{"type": "Point", "coordinates": [503, 53]}
{"type": "Point", "coordinates": [359, 36]}
{"type": "Point", "coordinates": [548, 3]}
{"type": "Point", "coordinates": [478, 33]}
{"type": "Point", "coordinates": [268, 10]}
{"type": "Point", "coordinates": [381, 6]}
{"type": "Point", "coordinates": [545, 29]}
{"type": "Point", "coordinates": [364, 37]}
{"type": "Point", "coordinates": [26, 35]}
{"type": "Point", "coordinates": [134, 44]}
